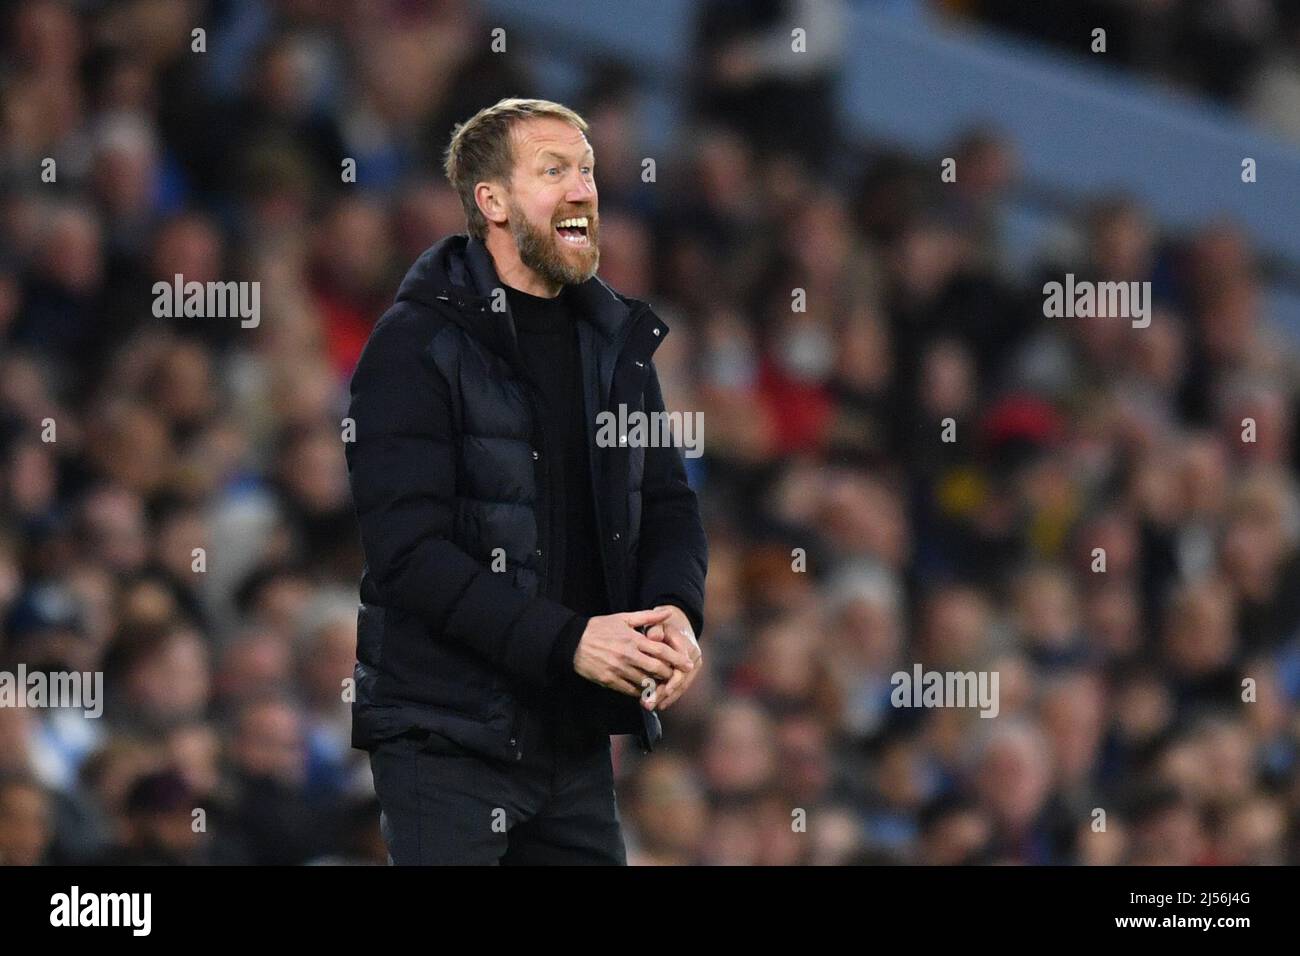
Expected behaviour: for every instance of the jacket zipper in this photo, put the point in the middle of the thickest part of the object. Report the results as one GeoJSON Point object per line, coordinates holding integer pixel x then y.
{"type": "Point", "coordinates": [514, 728]}
{"type": "Point", "coordinates": [629, 329]}
{"type": "Point", "coordinates": [544, 563]}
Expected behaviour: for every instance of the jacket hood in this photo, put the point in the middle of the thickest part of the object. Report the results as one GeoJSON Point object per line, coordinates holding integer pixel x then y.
{"type": "Point", "coordinates": [458, 270]}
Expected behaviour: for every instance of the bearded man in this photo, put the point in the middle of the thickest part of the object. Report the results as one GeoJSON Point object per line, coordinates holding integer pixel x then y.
{"type": "Point", "coordinates": [528, 592]}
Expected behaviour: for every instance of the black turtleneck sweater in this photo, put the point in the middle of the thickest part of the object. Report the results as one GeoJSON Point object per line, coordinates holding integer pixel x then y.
{"type": "Point", "coordinates": [548, 338]}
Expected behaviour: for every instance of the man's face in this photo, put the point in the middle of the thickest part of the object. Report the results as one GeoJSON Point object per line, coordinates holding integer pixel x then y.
{"type": "Point", "coordinates": [552, 201]}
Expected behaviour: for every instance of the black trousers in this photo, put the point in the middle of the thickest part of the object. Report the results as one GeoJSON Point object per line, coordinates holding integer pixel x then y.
{"type": "Point", "coordinates": [442, 805]}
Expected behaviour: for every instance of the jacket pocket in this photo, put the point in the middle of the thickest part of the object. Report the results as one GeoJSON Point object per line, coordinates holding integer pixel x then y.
{"type": "Point", "coordinates": [436, 743]}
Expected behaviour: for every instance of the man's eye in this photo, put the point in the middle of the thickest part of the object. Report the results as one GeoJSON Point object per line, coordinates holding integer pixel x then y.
{"type": "Point", "coordinates": [586, 170]}
{"type": "Point", "coordinates": [552, 169]}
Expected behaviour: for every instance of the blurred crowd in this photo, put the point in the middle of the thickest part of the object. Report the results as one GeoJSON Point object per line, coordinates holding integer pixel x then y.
{"type": "Point", "coordinates": [1101, 530]}
{"type": "Point", "coordinates": [1241, 53]}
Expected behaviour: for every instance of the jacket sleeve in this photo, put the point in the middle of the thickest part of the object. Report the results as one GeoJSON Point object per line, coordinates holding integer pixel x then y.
{"type": "Point", "coordinates": [672, 554]}
{"type": "Point", "coordinates": [401, 467]}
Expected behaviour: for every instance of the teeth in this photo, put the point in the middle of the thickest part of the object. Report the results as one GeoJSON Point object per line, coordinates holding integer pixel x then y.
{"type": "Point", "coordinates": [576, 222]}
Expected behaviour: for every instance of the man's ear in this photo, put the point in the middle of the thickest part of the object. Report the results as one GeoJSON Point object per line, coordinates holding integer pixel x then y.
{"type": "Point", "coordinates": [491, 201]}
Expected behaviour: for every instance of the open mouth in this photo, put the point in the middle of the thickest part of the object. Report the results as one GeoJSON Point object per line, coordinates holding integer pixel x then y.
{"type": "Point", "coordinates": [573, 231]}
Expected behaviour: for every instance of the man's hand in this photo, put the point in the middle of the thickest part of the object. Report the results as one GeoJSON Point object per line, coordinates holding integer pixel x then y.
{"type": "Point", "coordinates": [614, 654]}
{"type": "Point", "coordinates": [677, 633]}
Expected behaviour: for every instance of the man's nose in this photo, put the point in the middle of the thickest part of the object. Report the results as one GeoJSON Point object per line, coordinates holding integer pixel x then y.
{"type": "Point", "coordinates": [582, 190]}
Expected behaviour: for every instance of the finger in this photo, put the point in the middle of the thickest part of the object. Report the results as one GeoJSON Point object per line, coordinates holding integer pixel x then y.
{"type": "Point", "coordinates": [690, 646]}
{"type": "Point", "coordinates": [688, 634]}
{"type": "Point", "coordinates": [685, 647]}
{"type": "Point", "coordinates": [657, 633]}
{"type": "Point", "coordinates": [665, 652]}
{"type": "Point", "coordinates": [623, 686]}
{"type": "Point", "coordinates": [670, 698]}
{"type": "Point", "coordinates": [636, 619]}
{"type": "Point", "coordinates": [631, 670]}
{"type": "Point", "coordinates": [652, 666]}
{"type": "Point", "coordinates": [670, 690]}
{"type": "Point", "coordinates": [681, 638]}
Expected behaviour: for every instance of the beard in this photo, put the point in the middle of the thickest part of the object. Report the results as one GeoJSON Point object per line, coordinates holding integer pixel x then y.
{"type": "Point", "coordinates": [541, 250]}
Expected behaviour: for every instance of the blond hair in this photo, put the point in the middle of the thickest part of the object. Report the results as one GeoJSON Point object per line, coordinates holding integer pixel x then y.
{"type": "Point", "coordinates": [481, 150]}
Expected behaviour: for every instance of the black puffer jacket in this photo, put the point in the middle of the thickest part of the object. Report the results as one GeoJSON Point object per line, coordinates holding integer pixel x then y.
{"type": "Point", "coordinates": [444, 477]}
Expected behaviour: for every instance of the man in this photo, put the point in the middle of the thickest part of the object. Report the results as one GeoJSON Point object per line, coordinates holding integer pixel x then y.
{"type": "Point", "coordinates": [527, 592]}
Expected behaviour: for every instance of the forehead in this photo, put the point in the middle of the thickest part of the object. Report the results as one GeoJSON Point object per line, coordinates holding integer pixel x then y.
{"type": "Point", "coordinates": [541, 134]}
